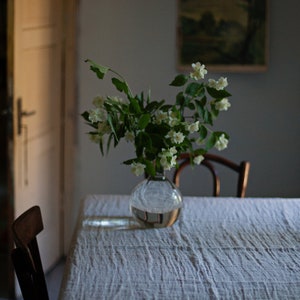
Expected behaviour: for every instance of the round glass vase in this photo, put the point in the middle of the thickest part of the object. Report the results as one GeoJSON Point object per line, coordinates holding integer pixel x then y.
{"type": "Point", "coordinates": [156, 202]}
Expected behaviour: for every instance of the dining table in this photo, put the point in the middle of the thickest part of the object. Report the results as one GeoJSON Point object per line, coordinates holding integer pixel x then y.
{"type": "Point", "coordinates": [219, 248]}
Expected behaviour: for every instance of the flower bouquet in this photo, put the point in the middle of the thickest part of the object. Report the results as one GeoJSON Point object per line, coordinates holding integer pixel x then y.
{"type": "Point", "coordinates": [159, 131]}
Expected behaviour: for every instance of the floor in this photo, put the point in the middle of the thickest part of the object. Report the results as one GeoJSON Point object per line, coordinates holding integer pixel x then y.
{"type": "Point", "coordinates": [54, 278]}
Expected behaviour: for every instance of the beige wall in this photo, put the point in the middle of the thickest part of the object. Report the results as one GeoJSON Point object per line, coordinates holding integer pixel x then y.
{"type": "Point", "coordinates": [137, 37]}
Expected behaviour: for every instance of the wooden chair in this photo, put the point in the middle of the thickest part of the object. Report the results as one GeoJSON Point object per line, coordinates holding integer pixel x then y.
{"type": "Point", "coordinates": [26, 256]}
{"type": "Point", "coordinates": [209, 162]}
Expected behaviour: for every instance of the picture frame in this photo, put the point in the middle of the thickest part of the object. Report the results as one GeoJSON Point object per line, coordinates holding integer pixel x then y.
{"type": "Point", "coordinates": [230, 36]}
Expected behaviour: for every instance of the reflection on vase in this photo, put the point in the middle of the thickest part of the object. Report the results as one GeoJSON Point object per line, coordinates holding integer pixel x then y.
{"type": "Point", "coordinates": [156, 202]}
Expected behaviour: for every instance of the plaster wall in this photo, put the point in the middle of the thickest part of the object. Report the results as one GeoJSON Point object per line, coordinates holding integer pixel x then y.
{"type": "Point", "coordinates": [138, 38]}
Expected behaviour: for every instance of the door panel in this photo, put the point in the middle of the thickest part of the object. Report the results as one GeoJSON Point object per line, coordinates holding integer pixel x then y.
{"type": "Point", "coordinates": [37, 83]}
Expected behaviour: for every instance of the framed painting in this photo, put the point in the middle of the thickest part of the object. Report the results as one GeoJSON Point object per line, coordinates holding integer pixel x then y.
{"type": "Point", "coordinates": [230, 36]}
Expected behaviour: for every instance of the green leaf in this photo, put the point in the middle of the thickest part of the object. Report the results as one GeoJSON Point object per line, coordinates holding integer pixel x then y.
{"type": "Point", "coordinates": [208, 117]}
{"type": "Point", "coordinates": [202, 101]}
{"type": "Point", "coordinates": [101, 146]}
{"type": "Point", "coordinates": [180, 99]}
{"type": "Point", "coordinates": [112, 127]}
{"type": "Point", "coordinates": [129, 161]}
{"type": "Point", "coordinates": [157, 142]}
{"type": "Point", "coordinates": [166, 107]}
{"type": "Point", "coordinates": [214, 111]}
{"type": "Point", "coordinates": [202, 132]}
{"type": "Point", "coordinates": [194, 89]}
{"type": "Point", "coordinates": [150, 169]}
{"type": "Point", "coordinates": [142, 141]}
{"type": "Point", "coordinates": [98, 69]}
{"type": "Point", "coordinates": [113, 106]}
{"type": "Point", "coordinates": [211, 141]}
{"type": "Point", "coordinates": [154, 105]}
{"type": "Point", "coordinates": [159, 130]}
{"type": "Point", "coordinates": [86, 115]}
{"type": "Point", "coordinates": [120, 85]}
{"type": "Point", "coordinates": [110, 138]}
{"type": "Point", "coordinates": [191, 106]}
{"type": "Point", "coordinates": [217, 94]}
{"type": "Point", "coordinates": [141, 100]}
{"type": "Point", "coordinates": [144, 121]}
{"type": "Point", "coordinates": [179, 80]}
{"type": "Point", "coordinates": [134, 106]}
{"type": "Point", "coordinates": [199, 151]}
{"type": "Point", "coordinates": [200, 104]}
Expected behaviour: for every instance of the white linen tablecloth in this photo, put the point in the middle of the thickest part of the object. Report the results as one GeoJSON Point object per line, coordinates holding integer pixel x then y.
{"type": "Point", "coordinates": [220, 248]}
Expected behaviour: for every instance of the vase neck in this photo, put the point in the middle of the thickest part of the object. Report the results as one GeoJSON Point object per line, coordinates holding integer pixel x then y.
{"type": "Point", "coordinates": [159, 175]}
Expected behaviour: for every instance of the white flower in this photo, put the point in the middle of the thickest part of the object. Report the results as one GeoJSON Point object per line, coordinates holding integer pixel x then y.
{"type": "Point", "coordinates": [173, 161]}
{"type": "Point", "coordinates": [168, 158]}
{"type": "Point", "coordinates": [172, 114]}
{"type": "Point", "coordinates": [99, 101]}
{"type": "Point", "coordinates": [96, 115]}
{"type": "Point", "coordinates": [129, 136]}
{"type": "Point", "coordinates": [137, 168]}
{"type": "Point", "coordinates": [160, 116]}
{"type": "Point", "coordinates": [172, 122]}
{"type": "Point", "coordinates": [212, 83]}
{"type": "Point", "coordinates": [219, 84]}
{"type": "Point", "coordinates": [176, 137]}
{"type": "Point", "coordinates": [104, 128]}
{"type": "Point", "coordinates": [222, 83]}
{"type": "Point", "coordinates": [193, 127]}
{"type": "Point", "coordinates": [224, 104]}
{"type": "Point", "coordinates": [168, 162]}
{"type": "Point", "coordinates": [165, 163]}
{"type": "Point", "coordinates": [198, 159]}
{"type": "Point", "coordinates": [168, 152]}
{"type": "Point", "coordinates": [95, 138]}
{"type": "Point", "coordinates": [199, 71]}
{"type": "Point", "coordinates": [117, 99]}
{"type": "Point", "coordinates": [173, 119]}
{"type": "Point", "coordinates": [221, 143]}
{"type": "Point", "coordinates": [173, 150]}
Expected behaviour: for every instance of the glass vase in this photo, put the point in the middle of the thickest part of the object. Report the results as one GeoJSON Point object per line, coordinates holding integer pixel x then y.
{"type": "Point", "coordinates": [156, 202]}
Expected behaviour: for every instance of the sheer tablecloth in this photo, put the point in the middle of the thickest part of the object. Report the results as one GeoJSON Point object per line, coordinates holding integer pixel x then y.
{"type": "Point", "coordinates": [220, 248]}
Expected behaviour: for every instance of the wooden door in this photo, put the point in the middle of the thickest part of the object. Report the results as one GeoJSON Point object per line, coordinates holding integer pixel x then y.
{"type": "Point", "coordinates": [37, 93]}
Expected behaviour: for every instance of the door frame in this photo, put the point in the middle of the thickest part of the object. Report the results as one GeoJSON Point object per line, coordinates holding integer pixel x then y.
{"type": "Point", "coordinates": [70, 112]}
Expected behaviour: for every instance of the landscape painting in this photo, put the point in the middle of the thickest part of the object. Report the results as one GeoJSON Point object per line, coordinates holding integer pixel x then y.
{"type": "Point", "coordinates": [229, 35]}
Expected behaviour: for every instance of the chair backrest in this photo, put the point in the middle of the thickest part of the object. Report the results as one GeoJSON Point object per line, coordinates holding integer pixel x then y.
{"type": "Point", "coordinates": [26, 256]}
{"type": "Point", "coordinates": [209, 162]}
